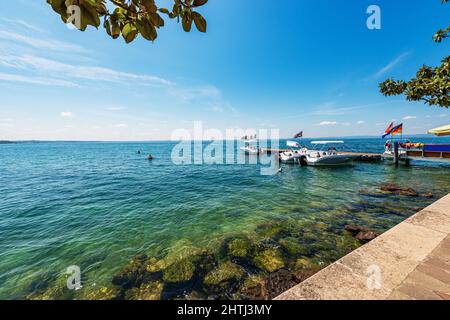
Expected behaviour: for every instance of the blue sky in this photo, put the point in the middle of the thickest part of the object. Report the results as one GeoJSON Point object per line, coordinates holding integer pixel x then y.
{"type": "Point", "coordinates": [293, 65]}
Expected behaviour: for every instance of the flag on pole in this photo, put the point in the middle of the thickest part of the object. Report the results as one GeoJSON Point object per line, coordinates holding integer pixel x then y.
{"type": "Point", "coordinates": [299, 135]}
{"type": "Point", "coordinates": [397, 129]}
{"type": "Point", "coordinates": [388, 130]}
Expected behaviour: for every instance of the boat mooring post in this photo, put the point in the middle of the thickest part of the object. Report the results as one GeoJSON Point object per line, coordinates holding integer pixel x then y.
{"type": "Point", "coordinates": [396, 153]}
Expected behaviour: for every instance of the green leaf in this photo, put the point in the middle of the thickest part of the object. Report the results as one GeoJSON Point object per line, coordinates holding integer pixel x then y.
{"type": "Point", "coordinates": [129, 32]}
{"type": "Point", "coordinates": [199, 21]}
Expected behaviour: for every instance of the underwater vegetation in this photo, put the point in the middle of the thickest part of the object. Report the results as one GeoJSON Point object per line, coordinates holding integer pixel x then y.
{"type": "Point", "coordinates": [260, 264]}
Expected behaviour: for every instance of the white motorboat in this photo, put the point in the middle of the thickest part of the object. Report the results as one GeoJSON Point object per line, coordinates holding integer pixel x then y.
{"type": "Point", "coordinates": [294, 154]}
{"type": "Point", "coordinates": [327, 154]}
{"type": "Point", "coordinates": [388, 153]}
{"type": "Point", "coordinates": [251, 147]}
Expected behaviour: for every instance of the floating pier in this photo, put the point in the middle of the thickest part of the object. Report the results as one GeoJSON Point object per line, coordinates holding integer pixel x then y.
{"type": "Point", "coordinates": [410, 261]}
{"type": "Point", "coordinates": [364, 157]}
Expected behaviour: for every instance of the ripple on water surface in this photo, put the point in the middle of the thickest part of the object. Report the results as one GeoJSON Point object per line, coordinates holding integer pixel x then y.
{"type": "Point", "coordinates": [151, 230]}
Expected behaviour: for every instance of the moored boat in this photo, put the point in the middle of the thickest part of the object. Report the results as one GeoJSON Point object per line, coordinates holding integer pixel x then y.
{"type": "Point", "coordinates": [294, 154]}
{"type": "Point", "coordinates": [327, 154]}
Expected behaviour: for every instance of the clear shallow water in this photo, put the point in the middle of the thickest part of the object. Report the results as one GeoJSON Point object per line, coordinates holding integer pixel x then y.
{"type": "Point", "coordinates": [97, 205]}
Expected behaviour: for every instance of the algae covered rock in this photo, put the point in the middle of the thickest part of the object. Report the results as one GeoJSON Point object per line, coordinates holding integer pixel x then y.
{"type": "Point", "coordinates": [254, 288]}
{"type": "Point", "coordinates": [180, 271]}
{"type": "Point", "coordinates": [280, 281]}
{"type": "Point", "coordinates": [133, 274]}
{"type": "Point", "coordinates": [292, 246]}
{"type": "Point", "coordinates": [225, 272]}
{"type": "Point", "coordinates": [154, 265]}
{"type": "Point", "coordinates": [269, 260]}
{"type": "Point", "coordinates": [268, 230]}
{"type": "Point", "coordinates": [303, 263]}
{"type": "Point", "coordinates": [147, 291]}
{"type": "Point", "coordinates": [363, 234]}
{"type": "Point", "coordinates": [240, 247]}
{"type": "Point", "coordinates": [53, 290]}
{"type": "Point", "coordinates": [103, 293]}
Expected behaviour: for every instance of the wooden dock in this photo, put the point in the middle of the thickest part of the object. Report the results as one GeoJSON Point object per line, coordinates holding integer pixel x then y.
{"type": "Point", "coordinates": [364, 157]}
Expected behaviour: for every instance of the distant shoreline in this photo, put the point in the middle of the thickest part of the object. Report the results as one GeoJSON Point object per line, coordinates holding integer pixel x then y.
{"type": "Point", "coordinates": [146, 141]}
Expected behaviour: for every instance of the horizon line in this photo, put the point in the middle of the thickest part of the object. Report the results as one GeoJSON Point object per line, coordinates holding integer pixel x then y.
{"type": "Point", "coordinates": [169, 140]}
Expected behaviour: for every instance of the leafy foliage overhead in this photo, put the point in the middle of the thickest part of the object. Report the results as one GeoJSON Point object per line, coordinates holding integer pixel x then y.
{"type": "Point", "coordinates": [431, 84]}
{"type": "Point", "coordinates": [129, 18]}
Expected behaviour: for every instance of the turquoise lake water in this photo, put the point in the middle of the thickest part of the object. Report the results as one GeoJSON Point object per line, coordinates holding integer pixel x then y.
{"type": "Point", "coordinates": [97, 205]}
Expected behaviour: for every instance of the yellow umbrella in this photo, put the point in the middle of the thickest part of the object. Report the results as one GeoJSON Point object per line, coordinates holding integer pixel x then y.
{"type": "Point", "coordinates": [441, 131]}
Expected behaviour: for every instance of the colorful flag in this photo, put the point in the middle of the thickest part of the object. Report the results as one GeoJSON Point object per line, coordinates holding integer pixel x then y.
{"type": "Point", "coordinates": [397, 129]}
{"type": "Point", "coordinates": [388, 130]}
{"type": "Point", "coordinates": [299, 135]}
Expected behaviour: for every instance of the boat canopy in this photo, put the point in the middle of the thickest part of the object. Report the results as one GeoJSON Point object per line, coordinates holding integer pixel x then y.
{"type": "Point", "coordinates": [327, 142]}
{"type": "Point", "coordinates": [293, 144]}
{"type": "Point", "coordinates": [441, 131]}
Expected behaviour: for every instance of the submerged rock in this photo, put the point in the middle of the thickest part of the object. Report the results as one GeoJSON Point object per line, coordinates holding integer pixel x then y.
{"type": "Point", "coordinates": [133, 275]}
{"type": "Point", "coordinates": [103, 293]}
{"type": "Point", "coordinates": [154, 265]}
{"type": "Point", "coordinates": [225, 272]}
{"type": "Point", "coordinates": [147, 291]}
{"type": "Point", "coordinates": [366, 236]}
{"type": "Point", "coordinates": [268, 287]}
{"type": "Point", "coordinates": [240, 247]}
{"type": "Point", "coordinates": [268, 230]}
{"type": "Point", "coordinates": [363, 234]}
{"type": "Point", "coordinates": [56, 290]}
{"type": "Point", "coordinates": [292, 246]}
{"type": "Point", "coordinates": [428, 195]}
{"type": "Point", "coordinates": [254, 288]}
{"type": "Point", "coordinates": [302, 263]}
{"type": "Point", "coordinates": [396, 189]}
{"type": "Point", "coordinates": [269, 260]}
{"type": "Point", "coordinates": [179, 271]}
{"type": "Point", "coordinates": [278, 282]}
{"type": "Point", "coordinates": [306, 273]}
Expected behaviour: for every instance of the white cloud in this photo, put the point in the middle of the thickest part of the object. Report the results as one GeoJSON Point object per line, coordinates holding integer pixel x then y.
{"type": "Point", "coordinates": [328, 123]}
{"type": "Point", "coordinates": [346, 124]}
{"type": "Point", "coordinates": [23, 25]}
{"type": "Point", "coordinates": [66, 114]}
{"type": "Point", "coordinates": [360, 122]}
{"type": "Point", "coordinates": [39, 43]}
{"type": "Point", "coordinates": [6, 123]}
{"type": "Point", "coordinates": [36, 80]}
{"type": "Point", "coordinates": [115, 108]}
{"type": "Point", "coordinates": [330, 109]}
{"type": "Point", "coordinates": [190, 94]}
{"type": "Point", "coordinates": [120, 125]}
{"type": "Point", "coordinates": [391, 65]}
{"type": "Point", "coordinates": [69, 71]}
{"type": "Point", "coordinates": [409, 118]}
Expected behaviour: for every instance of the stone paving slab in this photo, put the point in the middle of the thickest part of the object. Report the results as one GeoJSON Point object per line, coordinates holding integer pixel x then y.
{"type": "Point", "coordinates": [409, 261]}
